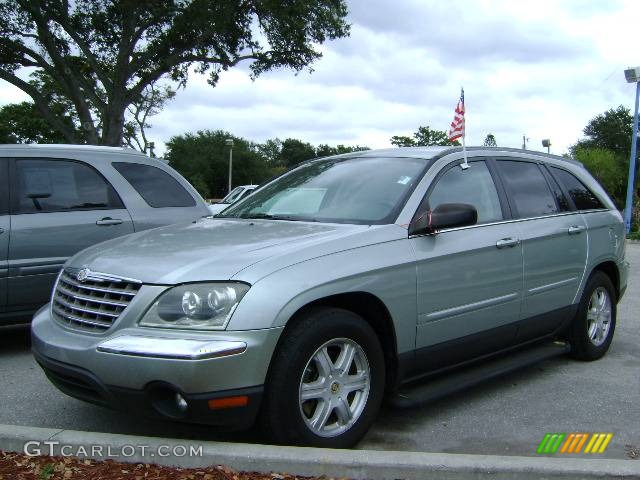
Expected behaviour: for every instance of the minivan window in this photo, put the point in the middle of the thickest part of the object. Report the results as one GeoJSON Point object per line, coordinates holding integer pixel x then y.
{"type": "Point", "coordinates": [342, 190]}
{"type": "Point", "coordinates": [583, 198]}
{"type": "Point", "coordinates": [48, 185]}
{"type": "Point", "coordinates": [4, 186]}
{"type": "Point", "coordinates": [155, 186]}
{"type": "Point", "coordinates": [473, 186]}
{"type": "Point", "coordinates": [527, 188]}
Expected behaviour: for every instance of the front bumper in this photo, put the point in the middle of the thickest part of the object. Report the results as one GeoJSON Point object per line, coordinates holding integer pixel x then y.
{"type": "Point", "coordinates": [157, 400]}
{"type": "Point", "coordinates": [78, 364]}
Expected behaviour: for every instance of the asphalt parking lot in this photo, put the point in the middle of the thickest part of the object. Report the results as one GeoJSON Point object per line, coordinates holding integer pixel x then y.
{"type": "Point", "coordinates": [507, 416]}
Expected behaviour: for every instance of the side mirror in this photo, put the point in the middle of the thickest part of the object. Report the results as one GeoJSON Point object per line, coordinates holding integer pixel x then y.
{"type": "Point", "coordinates": [445, 215]}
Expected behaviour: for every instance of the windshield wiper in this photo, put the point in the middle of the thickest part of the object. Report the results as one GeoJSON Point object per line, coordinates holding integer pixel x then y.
{"type": "Point", "coordinates": [269, 216]}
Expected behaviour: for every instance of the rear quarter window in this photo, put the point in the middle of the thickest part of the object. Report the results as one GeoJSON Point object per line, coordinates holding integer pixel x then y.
{"type": "Point", "coordinates": [155, 186]}
{"type": "Point", "coordinates": [583, 198]}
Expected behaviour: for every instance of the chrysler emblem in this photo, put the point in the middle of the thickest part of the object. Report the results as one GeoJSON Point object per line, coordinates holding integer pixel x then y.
{"type": "Point", "coordinates": [82, 275]}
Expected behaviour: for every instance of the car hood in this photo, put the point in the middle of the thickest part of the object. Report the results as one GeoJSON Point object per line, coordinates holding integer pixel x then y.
{"type": "Point", "coordinates": [209, 249]}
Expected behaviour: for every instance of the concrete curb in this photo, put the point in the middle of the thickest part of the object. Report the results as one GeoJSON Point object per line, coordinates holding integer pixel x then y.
{"type": "Point", "coordinates": [358, 464]}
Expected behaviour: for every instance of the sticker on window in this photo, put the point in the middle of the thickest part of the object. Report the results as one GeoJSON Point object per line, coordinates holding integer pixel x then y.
{"type": "Point", "coordinates": [404, 180]}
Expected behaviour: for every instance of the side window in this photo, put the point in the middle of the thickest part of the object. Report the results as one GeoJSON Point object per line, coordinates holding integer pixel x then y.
{"type": "Point", "coordinates": [528, 189]}
{"type": "Point", "coordinates": [4, 186]}
{"type": "Point", "coordinates": [583, 198]}
{"type": "Point", "coordinates": [60, 185]}
{"type": "Point", "coordinates": [561, 199]}
{"type": "Point", "coordinates": [157, 187]}
{"type": "Point", "coordinates": [473, 186]}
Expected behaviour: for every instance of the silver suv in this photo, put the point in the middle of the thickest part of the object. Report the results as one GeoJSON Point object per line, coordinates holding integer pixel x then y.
{"type": "Point", "coordinates": [56, 200]}
{"type": "Point", "coordinates": [346, 278]}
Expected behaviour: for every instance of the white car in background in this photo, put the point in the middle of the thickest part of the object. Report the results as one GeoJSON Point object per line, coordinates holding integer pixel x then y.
{"type": "Point", "coordinates": [234, 195]}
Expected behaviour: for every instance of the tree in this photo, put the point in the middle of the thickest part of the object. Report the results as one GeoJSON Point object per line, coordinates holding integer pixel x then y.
{"type": "Point", "coordinates": [424, 137]}
{"type": "Point", "coordinates": [105, 55]}
{"type": "Point", "coordinates": [490, 141]}
{"type": "Point", "coordinates": [326, 150]}
{"type": "Point", "coordinates": [610, 130]}
{"type": "Point", "coordinates": [294, 151]}
{"type": "Point", "coordinates": [203, 159]}
{"type": "Point", "coordinates": [608, 168]}
{"type": "Point", "coordinates": [23, 123]}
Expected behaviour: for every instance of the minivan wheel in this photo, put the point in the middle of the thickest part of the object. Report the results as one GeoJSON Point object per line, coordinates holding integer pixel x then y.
{"type": "Point", "coordinates": [592, 329]}
{"type": "Point", "coordinates": [326, 381]}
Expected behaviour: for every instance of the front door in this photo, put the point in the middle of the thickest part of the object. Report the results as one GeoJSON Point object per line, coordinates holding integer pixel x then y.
{"type": "Point", "coordinates": [59, 207]}
{"type": "Point", "coordinates": [469, 278]}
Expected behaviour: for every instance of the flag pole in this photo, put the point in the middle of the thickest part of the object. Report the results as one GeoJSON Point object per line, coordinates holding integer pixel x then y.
{"type": "Point", "coordinates": [464, 165]}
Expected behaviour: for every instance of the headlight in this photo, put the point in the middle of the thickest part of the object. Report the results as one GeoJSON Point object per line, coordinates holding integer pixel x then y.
{"type": "Point", "coordinates": [206, 306]}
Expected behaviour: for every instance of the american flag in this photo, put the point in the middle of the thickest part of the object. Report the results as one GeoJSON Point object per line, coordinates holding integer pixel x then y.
{"type": "Point", "coordinates": [457, 126]}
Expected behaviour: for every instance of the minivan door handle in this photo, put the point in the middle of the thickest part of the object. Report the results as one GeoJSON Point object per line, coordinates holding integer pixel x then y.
{"type": "Point", "coordinates": [507, 242]}
{"type": "Point", "coordinates": [1, 231]}
{"type": "Point", "coordinates": [575, 229]}
{"type": "Point", "coordinates": [109, 221]}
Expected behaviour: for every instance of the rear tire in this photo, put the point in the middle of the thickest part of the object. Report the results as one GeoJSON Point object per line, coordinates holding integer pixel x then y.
{"type": "Point", "coordinates": [595, 322]}
{"type": "Point", "coordinates": [326, 381]}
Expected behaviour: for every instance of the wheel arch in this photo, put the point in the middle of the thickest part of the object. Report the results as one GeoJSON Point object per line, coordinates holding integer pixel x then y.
{"type": "Point", "coordinates": [609, 268]}
{"type": "Point", "coordinates": [372, 310]}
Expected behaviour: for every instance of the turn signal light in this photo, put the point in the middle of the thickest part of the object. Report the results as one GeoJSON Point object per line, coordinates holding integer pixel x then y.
{"type": "Point", "coordinates": [228, 402]}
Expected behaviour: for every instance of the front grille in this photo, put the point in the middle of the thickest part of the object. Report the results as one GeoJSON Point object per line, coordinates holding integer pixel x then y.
{"type": "Point", "coordinates": [93, 303]}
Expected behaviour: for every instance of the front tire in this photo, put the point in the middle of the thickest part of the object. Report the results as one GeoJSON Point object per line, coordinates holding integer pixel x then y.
{"type": "Point", "coordinates": [326, 381]}
{"type": "Point", "coordinates": [592, 329]}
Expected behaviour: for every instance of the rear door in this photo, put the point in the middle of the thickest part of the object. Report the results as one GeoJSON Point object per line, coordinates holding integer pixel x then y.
{"type": "Point", "coordinates": [5, 227]}
{"type": "Point", "coordinates": [58, 207]}
{"type": "Point", "coordinates": [554, 245]}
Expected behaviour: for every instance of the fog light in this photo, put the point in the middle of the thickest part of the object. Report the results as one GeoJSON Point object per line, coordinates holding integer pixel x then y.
{"type": "Point", "coordinates": [181, 403]}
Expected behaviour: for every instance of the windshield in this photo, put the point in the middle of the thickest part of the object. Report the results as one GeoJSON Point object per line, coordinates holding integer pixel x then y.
{"type": "Point", "coordinates": [355, 190]}
{"type": "Point", "coordinates": [232, 195]}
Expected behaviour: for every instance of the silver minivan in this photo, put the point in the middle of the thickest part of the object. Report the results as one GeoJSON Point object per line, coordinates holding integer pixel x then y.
{"type": "Point", "coordinates": [56, 200]}
{"type": "Point", "coordinates": [403, 273]}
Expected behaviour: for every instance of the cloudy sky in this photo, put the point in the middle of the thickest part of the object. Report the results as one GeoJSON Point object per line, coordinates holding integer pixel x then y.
{"type": "Point", "coordinates": [539, 68]}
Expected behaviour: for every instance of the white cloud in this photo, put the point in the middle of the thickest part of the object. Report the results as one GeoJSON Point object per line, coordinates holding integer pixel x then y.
{"type": "Point", "coordinates": [542, 69]}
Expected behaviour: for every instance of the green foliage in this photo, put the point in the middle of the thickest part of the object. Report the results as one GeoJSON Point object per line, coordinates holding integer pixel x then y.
{"type": "Point", "coordinates": [23, 123]}
{"type": "Point", "coordinates": [608, 168]}
{"type": "Point", "coordinates": [490, 141]}
{"type": "Point", "coordinates": [610, 130]}
{"type": "Point", "coordinates": [423, 137]}
{"type": "Point", "coordinates": [106, 55]}
{"type": "Point", "coordinates": [295, 151]}
{"type": "Point", "coordinates": [203, 158]}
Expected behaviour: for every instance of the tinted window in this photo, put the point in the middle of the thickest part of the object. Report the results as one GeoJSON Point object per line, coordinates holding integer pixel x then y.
{"type": "Point", "coordinates": [60, 185]}
{"type": "Point", "coordinates": [561, 200]}
{"type": "Point", "coordinates": [157, 187]}
{"type": "Point", "coordinates": [4, 186]}
{"type": "Point", "coordinates": [528, 189]}
{"type": "Point", "coordinates": [473, 186]}
{"type": "Point", "coordinates": [583, 198]}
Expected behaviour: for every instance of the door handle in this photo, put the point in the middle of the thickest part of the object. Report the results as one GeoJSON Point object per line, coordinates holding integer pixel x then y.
{"type": "Point", "coordinates": [575, 229]}
{"type": "Point", "coordinates": [109, 221]}
{"type": "Point", "coordinates": [1, 231]}
{"type": "Point", "coordinates": [507, 242]}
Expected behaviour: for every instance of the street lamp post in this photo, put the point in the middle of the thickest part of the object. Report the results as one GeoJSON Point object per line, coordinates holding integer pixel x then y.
{"type": "Point", "coordinates": [633, 76]}
{"type": "Point", "coordinates": [229, 143]}
{"type": "Point", "coordinates": [547, 143]}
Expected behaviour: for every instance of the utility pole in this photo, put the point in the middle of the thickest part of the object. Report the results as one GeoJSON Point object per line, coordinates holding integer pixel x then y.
{"type": "Point", "coordinates": [633, 76]}
{"type": "Point", "coordinates": [229, 143]}
{"type": "Point", "coordinates": [524, 141]}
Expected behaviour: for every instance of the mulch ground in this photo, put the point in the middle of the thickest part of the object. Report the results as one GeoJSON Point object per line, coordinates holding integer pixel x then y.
{"type": "Point", "coordinates": [17, 466]}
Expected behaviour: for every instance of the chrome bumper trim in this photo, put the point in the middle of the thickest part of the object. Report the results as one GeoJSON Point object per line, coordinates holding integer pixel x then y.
{"type": "Point", "coordinates": [178, 349]}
